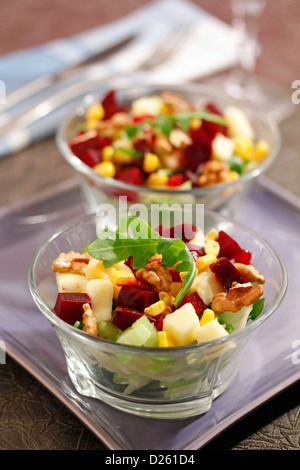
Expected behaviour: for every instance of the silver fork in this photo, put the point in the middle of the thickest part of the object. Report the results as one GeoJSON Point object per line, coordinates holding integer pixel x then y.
{"type": "Point", "coordinates": [95, 74]}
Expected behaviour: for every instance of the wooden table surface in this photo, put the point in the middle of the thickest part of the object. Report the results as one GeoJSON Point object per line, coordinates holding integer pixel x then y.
{"type": "Point", "coordinates": [30, 417]}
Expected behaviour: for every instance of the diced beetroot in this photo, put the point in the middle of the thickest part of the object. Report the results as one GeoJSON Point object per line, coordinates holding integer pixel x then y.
{"type": "Point", "coordinates": [129, 261]}
{"type": "Point", "coordinates": [143, 118]}
{"type": "Point", "coordinates": [175, 276]}
{"type": "Point", "coordinates": [87, 140]}
{"type": "Point", "coordinates": [195, 254]}
{"type": "Point", "coordinates": [228, 246]}
{"type": "Point", "coordinates": [125, 316]}
{"type": "Point", "coordinates": [212, 128]}
{"type": "Point", "coordinates": [185, 232]}
{"type": "Point", "coordinates": [142, 146]}
{"type": "Point", "coordinates": [137, 298]}
{"type": "Point", "coordinates": [131, 174]}
{"type": "Point", "coordinates": [90, 157]}
{"type": "Point", "coordinates": [226, 273]}
{"type": "Point", "coordinates": [159, 321]}
{"type": "Point", "coordinates": [200, 149]}
{"type": "Point", "coordinates": [111, 106]}
{"type": "Point", "coordinates": [195, 300]}
{"type": "Point", "coordinates": [69, 306]}
{"type": "Point", "coordinates": [176, 180]}
{"type": "Point", "coordinates": [244, 257]}
{"type": "Point", "coordinates": [195, 248]}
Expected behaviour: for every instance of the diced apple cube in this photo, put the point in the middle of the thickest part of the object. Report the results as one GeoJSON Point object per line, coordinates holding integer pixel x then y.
{"type": "Point", "coordinates": [210, 331]}
{"type": "Point", "coordinates": [69, 282]}
{"type": "Point", "coordinates": [182, 324]}
{"type": "Point", "coordinates": [206, 285]}
{"type": "Point", "coordinates": [222, 147]}
{"type": "Point", "coordinates": [238, 122]}
{"type": "Point", "coordinates": [149, 105]}
{"type": "Point", "coordinates": [100, 292]}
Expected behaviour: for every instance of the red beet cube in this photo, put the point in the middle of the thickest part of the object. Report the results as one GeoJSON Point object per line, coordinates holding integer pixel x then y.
{"type": "Point", "coordinates": [90, 157]}
{"type": "Point", "coordinates": [212, 128]}
{"type": "Point", "coordinates": [177, 179]}
{"type": "Point", "coordinates": [244, 257]}
{"type": "Point", "coordinates": [195, 300]}
{"type": "Point", "coordinates": [199, 151]}
{"type": "Point", "coordinates": [69, 306]}
{"type": "Point", "coordinates": [125, 316]}
{"type": "Point", "coordinates": [228, 246]}
{"type": "Point", "coordinates": [159, 321]}
{"type": "Point", "coordinates": [111, 106]}
{"type": "Point", "coordinates": [226, 273]}
{"type": "Point", "coordinates": [131, 174]}
{"type": "Point", "coordinates": [199, 250]}
{"type": "Point", "coordinates": [136, 298]}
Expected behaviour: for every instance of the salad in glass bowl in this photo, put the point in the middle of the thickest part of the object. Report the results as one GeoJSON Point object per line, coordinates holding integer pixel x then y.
{"type": "Point", "coordinates": [156, 324]}
{"type": "Point", "coordinates": [154, 144]}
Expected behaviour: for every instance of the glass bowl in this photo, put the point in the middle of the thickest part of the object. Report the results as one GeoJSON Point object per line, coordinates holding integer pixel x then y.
{"type": "Point", "coordinates": [169, 382]}
{"type": "Point", "coordinates": [227, 198]}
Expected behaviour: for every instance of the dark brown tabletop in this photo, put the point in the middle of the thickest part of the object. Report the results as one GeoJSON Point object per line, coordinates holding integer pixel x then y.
{"type": "Point", "coordinates": [31, 418]}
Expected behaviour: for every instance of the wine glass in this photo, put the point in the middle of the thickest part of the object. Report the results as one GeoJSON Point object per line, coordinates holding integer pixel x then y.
{"type": "Point", "coordinates": [241, 82]}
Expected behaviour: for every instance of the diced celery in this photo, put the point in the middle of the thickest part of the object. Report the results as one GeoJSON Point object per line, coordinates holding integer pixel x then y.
{"type": "Point", "coordinates": [141, 333]}
{"type": "Point", "coordinates": [108, 331]}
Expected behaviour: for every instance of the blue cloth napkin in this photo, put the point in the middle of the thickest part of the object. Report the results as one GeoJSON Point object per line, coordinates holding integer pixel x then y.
{"type": "Point", "coordinates": [212, 44]}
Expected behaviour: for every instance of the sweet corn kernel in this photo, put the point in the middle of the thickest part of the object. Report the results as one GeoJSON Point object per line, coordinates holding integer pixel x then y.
{"type": "Point", "coordinates": [261, 150]}
{"type": "Point", "coordinates": [157, 308]}
{"type": "Point", "coordinates": [233, 175]}
{"type": "Point", "coordinates": [151, 162]}
{"type": "Point", "coordinates": [166, 297]}
{"type": "Point", "coordinates": [205, 261]}
{"type": "Point", "coordinates": [243, 147]}
{"type": "Point", "coordinates": [122, 278]}
{"type": "Point", "coordinates": [207, 316]}
{"type": "Point", "coordinates": [211, 247]}
{"type": "Point", "coordinates": [95, 112]}
{"type": "Point", "coordinates": [195, 123]}
{"type": "Point", "coordinates": [105, 169]}
{"type": "Point", "coordinates": [212, 234]}
{"type": "Point", "coordinates": [183, 273]}
{"type": "Point", "coordinates": [107, 153]}
{"type": "Point", "coordinates": [123, 155]}
{"type": "Point", "coordinates": [165, 339]}
{"type": "Point", "coordinates": [91, 124]}
{"type": "Point", "coordinates": [100, 271]}
{"type": "Point", "coordinates": [157, 179]}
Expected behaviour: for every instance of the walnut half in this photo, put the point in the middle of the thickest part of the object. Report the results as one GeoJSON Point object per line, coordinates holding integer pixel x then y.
{"type": "Point", "coordinates": [157, 275]}
{"type": "Point", "coordinates": [71, 262]}
{"type": "Point", "coordinates": [237, 297]}
{"type": "Point", "coordinates": [89, 321]}
{"type": "Point", "coordinates": [250, 273]}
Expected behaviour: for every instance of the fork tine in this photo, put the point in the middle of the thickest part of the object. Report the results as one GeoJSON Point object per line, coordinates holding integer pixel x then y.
{"type": "Point", "coordinates": [166, 48]}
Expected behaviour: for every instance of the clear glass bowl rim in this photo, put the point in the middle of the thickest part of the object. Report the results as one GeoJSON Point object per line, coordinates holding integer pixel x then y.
{"type": "Point", "coordinates": [88, 172]}
{"type": "Point", "coordinates": [89, 339]}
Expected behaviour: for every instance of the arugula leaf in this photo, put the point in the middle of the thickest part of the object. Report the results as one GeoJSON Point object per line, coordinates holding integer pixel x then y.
{"type": "Point", "coordinates": [256, 309]}
{"type": "Point", "coordinates": [133, 152]}
{"type": "Point", "coordinates": [141, 242]}
{"type": "Point", "coordinates": [185, 116]}
{"type": "Point", "coordinates": [164, 123]}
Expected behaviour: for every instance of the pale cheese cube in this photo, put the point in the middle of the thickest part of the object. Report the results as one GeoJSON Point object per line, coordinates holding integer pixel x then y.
{"type": "Point", "coordinates": [238, 122]}
{"type": "Point", "coordinates": [182, 324]}
{"type": "Point", "coordinates": [222, 147]}
{"type": "Point", "coordinates": [100, 292]}
{"type": "Point", "coordinates": [151, 105]}
{"type": "Point", "coordinates": [206, 285]}
{"type": "Point", "coordinates": [69, 282]}
{"type": "Point", "coordinates": [210, 331]}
